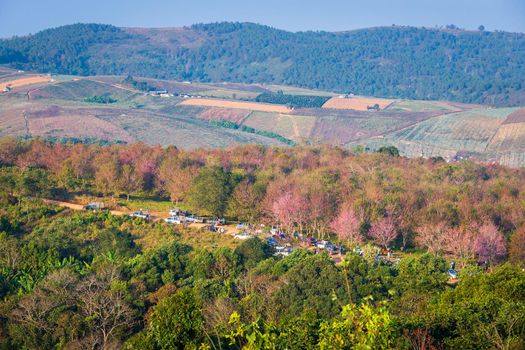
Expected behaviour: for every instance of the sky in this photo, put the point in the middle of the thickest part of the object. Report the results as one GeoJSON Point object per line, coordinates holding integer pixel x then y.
{"type": "Point", "coordinates": [21, 17]}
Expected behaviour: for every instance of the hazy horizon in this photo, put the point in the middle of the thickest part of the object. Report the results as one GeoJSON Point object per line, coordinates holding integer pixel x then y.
{"type": "Point", "coordinates": [31, 16]}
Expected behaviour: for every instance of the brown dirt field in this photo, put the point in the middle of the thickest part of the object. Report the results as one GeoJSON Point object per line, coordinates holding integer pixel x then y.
{"type": "Point", "coordinates": [233, 115]}
{"type": "Point", "coordinates": [251, 106]}
{"type": "Point", "coordinates": [357, 103]}
{"type": "Point", "coordinates": [516, 117]}
{"type": "Point", "coordinates": [24, 81]}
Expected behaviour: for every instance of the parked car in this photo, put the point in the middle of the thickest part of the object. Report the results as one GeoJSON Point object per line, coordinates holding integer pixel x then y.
{"type": "Point", "coordinates": [140, 214]}
{"type": "Point", "coordinates": [194, 219]}
{"type": "Point", "coordinates": [211, 228]}
{"type": "Point", "coordinates": [174, 220]}
{"type": "Point", "coordinates": [241, 226]}
{"type": "Point", "coordinates": [242, 236]}
{"type": "Point", "coordinates": [271, 241]}
{"type": "Point", "coordinates": [322, 244]}
{"type": "Point", "coordinates": [283, 251]}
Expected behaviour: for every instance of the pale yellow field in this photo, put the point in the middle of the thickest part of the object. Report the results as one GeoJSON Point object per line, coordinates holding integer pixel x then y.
{"type": "Point", "coordinates": [252, 106]}
{"type": "Point", "coordinates": [356, 103]}
{"type": "Point", "coordinates": [508, 137]}
{"type": "Point", "coordinates": [24, 81]}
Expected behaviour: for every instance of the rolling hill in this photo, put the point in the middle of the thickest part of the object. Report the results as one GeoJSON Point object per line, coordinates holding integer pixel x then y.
{"type": "Point", "coordinates": [193, 115]}
{"type": "Point", "coordinates": [390, 62]}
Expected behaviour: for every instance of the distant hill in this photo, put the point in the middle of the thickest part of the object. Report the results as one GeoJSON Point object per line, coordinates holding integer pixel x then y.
{"type": "Point", "coordinates": [394, 62]}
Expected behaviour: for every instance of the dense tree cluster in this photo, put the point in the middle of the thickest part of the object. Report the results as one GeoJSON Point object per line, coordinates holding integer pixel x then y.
{"type": "Point", "coordinates": [293, 101]}
{"type": "Point", "coordinates": [89, 280]}
{"type": "Point", "coordinates": [402, 62]}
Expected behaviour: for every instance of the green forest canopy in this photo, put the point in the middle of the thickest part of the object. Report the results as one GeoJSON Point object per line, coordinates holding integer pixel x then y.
{"type": "Point", "coordinates": [401, 62]}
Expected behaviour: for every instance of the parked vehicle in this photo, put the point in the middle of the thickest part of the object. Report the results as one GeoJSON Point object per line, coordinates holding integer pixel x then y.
{"type": "Point", "coordinates": [194, 219]}
{"type": "Point", "coordinates": [322, 244]}
{"type": "Point", "coordinates": [283, 251]}
{"type": "Point", "coordinates": [271, 241]}
{"type": "Point", "coordinates": [174, 220]}
{"type": "Point", "coordinates": [242, 236]}
{"type": "Point", "coordinates": [140, 214]}
{"type": "Point", "coordinates": [95, 206]}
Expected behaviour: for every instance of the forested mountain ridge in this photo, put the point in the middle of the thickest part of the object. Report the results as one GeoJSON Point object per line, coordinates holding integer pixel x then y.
{"type": "Point", "coordinates": [402, 62]}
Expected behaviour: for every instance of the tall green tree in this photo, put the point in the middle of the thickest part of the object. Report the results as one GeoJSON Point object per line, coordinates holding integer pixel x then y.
{"type": "Point", "coordinates": [210, 191]}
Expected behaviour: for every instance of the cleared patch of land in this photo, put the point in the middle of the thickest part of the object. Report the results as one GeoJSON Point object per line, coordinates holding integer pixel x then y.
{"type": "Point", "coordinates": [295, 127]}
{"type": "Point", "coordinates": [516, 117]}
{"type": "Point", "coordinates": [232, 115]}
{"type": "Point", "coordinates": [59, 122]}
{"type": "Point", "coordinates": [357, 103]}
{"type": "Point", "coordinates": [80, 89]}
{"type": "Point", "coordinates": [252, 106]}
{"type": "Point", "coordinates": [24, 81]}
{"type": "Point", "coordinates": [430, 106]}
{"type": "Point", "coordinates": [293, 90]}
{"type": "Point", "coordinates": [228, 93]}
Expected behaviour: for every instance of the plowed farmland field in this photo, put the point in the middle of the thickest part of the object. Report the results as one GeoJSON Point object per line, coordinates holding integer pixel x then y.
{"type": "Point", "coordinates": [356, 103]}
{"type": "Point", "coordinates": [24, 81]}
{"type": "Point", "coordinates": [236, 104]}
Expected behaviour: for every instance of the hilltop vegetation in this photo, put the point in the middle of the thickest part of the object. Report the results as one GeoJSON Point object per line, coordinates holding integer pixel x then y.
{"type": "Point", "coordinates": [399, 62]}
{"type": "Point", "coordinates": [94, 280]}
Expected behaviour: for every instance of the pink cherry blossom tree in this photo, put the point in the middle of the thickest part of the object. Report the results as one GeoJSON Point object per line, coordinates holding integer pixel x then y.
{"type": "Point", "coordinates": [460, 244]}
{"type": "Point", "coordinates": [432, 237]}
{"type": "Point", "coordinates": [290, 209]}
{"type": "Point", "coordinates": [383, 232]}
{"type": "Point", "coordinates": [490, 244]}
{"type": "Point", "coordinates": [347, 227]}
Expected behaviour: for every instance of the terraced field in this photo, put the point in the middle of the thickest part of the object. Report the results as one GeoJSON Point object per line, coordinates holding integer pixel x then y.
{"type": "Point", "coordinates": [294, 127]}
{"type": "Point", "coordinates": [475, 131]}
{"type": "Point", "coordinates": [80, 89]}
{"type": "Point", "coordinates": [181, 132]}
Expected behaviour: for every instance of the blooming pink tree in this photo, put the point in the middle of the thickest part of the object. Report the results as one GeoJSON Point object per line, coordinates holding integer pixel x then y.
{"type": "Point", "coordinates": [432, 236]}
{"type": "Point", "coordinates": [347, 226]}
{"type": "Point", "coordinates": [460, 243]}
{"type": "Point", "coordinates": [490, 244]}
{"type": "Point", "coordinates": [290, 208]}
{"type": "Point", "coordinates": [383, 232]}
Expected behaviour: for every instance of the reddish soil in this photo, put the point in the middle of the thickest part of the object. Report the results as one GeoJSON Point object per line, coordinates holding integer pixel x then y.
{"type": "Point", "coordinates": [516, 117]}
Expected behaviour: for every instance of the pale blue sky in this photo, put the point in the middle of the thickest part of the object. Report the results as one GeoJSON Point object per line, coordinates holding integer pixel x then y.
{"type": "Point", "coordinates": [19, 17]}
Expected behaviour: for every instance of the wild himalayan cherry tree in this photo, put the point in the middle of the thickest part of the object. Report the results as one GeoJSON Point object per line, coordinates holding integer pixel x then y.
{"type": "Point", "coordinates": [432, 236]}
{"type": "Point", "coordinates": [347, 227]}
{"type": "Point", "coordinates": [383, 232]}
{"type": "Point", "coordinates": [490, 244]}
{"type": "Point", "coordinates": [290, 209]}
{"type": "Point", "coordinates": [460, 243]}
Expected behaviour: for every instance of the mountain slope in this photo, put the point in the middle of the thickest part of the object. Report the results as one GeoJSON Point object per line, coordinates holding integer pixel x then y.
{"type": "Point", "coordinates": [400, 62]}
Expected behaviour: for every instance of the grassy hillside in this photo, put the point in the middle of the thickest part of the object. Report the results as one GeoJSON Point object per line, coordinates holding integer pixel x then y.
{"type": "Point", "coordinates": [394, 62]}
